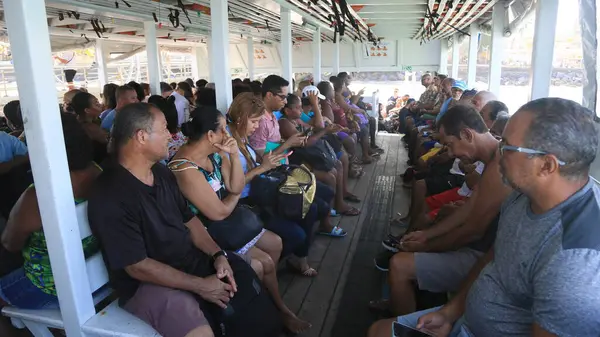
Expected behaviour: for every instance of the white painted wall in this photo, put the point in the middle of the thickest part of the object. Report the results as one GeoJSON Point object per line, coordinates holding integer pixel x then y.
{"type": "Point", "coordinates": [400, 55]}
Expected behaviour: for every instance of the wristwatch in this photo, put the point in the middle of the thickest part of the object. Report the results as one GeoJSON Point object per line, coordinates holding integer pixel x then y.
{"type": "Point", "coordinates": [218, 254]}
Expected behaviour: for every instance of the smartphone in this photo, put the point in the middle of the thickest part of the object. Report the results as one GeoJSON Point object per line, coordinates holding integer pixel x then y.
{"type": "Point", "coordinates": [405, 331]}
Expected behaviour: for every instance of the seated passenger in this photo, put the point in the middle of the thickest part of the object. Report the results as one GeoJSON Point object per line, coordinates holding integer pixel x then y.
{"type": "Point", "coordinates": [538, 278]}
{"type": "Point", "coordinates": [124, 95]}
{"type": "Point", "coordinates": [13, 152]}
{"type": "Point", "coordinates": [291, 124]}
{"type": "Point", "coordinates": [274, 96]}
{"type": "Point", "coordinates": [491, 111]}
{"type": "Point", "coordinates": [14, 119]}
{"type": "Point", "coordinates": [439, 257]}
{"type": "Point", "coordinates": [167, 106]}
{"type": "Point", "coordinates": [245, 114]}
{"type": "Point", "coordinates": [336, 114]}
{"type": "Point", "coordinates": [32, 286]}
{"type": "Point", "coordinates": [210, 177]}
{"type": "Point", "coordinates": [150, 238]}
{"type": "Point", "coordinates": [87, 108]}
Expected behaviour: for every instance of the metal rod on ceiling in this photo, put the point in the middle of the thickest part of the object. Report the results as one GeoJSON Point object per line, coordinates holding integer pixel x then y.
{"type": "Point", "coordinates": [429, 7]}
{"type": "Point", "coordinates": [480, 13]}
{"type": "Point", "coordinates": [461, 23]}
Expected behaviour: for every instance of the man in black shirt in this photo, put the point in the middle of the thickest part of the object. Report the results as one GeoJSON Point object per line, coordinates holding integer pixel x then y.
{"type": "Point", "coordinates": [150, 240]}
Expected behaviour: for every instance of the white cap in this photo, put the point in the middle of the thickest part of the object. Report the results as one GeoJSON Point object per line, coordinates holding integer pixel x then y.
{"type": "Point", "coordinates": [311, 88]}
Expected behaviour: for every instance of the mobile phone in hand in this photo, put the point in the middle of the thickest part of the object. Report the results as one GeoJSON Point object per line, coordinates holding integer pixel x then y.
{"type": "Point", "coordinates": [400, 330]}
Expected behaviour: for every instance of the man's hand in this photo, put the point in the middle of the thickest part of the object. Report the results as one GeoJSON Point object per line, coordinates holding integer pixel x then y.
{"type": "Point", "coordinates": [435, 323]}
{"type": "Point", "coordinates": [224, 271]}
{"type": "Point", "coordinates": [296, 140]}
{"type": "Point", "coordinates": [215, 291]}
{"type": "Point", "coordinates": [416, 236]}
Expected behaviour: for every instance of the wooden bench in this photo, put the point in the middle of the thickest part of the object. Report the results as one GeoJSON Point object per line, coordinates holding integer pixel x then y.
{"type": "Point", "coordinates": [110, 321]}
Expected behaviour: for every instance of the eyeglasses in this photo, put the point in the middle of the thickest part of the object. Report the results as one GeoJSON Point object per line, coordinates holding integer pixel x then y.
{"type": "Point", "coordinates": [503, 147]}
{"type": "Point", "coordinates": [282, 96]}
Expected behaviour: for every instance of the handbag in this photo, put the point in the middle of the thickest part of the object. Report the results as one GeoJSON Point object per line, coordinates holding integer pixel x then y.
{"type": "Point", "coordinates": [319, 156]}
{"type": "Point", "coordinates": [287, 190]}
{"type": "Point", "coordinates": [235, 231]}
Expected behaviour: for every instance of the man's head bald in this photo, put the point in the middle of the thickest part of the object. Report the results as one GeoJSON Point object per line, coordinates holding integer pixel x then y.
{"type": "Point", "coordinates": [482, 98]}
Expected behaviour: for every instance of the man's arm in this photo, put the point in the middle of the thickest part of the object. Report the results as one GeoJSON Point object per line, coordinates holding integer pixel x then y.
{"type": "Point", "coordinates": [487, 200]}
{"type": "Point", "coordinates": [152, 271]}
{"type": "Point", "coordinates": [200, 237]}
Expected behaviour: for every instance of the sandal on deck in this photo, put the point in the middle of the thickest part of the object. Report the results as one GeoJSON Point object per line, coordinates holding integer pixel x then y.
{"type": "Point", "coordinates": [352, 211]}
{"type": "Point", "coordinates": [351, 198]}
{"type": "Point", "coordinates": [335, 232]}
{"type": "Point", "coordinates": [306, 272]}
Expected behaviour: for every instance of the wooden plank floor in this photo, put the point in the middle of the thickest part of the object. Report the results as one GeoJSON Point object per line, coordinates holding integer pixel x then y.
{"type": "Point", "coordinates": [317, 299]}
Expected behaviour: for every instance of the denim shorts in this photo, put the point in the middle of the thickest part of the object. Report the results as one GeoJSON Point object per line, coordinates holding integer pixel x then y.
{"type": "Point", "coordinates": [17, 290]}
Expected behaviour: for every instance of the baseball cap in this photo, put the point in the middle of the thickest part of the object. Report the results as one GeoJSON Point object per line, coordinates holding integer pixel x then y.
{"type": "Point", "coordinates": [311, 88]}
{"type": "Point", "coordinates": [460, 85]}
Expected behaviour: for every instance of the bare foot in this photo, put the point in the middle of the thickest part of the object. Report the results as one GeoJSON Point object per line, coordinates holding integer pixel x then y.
{"type": "Point", "coordinates": [294, 324]}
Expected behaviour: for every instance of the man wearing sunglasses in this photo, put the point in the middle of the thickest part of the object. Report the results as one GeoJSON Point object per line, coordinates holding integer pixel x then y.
{"type": "Point", "coordinates": [541, 277]}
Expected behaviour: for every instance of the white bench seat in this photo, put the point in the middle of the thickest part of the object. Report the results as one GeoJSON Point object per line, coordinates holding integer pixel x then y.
{"type": "Point", "coordinates": [110, 321]}
{"type": "Point", "coordinates": [115, 321]}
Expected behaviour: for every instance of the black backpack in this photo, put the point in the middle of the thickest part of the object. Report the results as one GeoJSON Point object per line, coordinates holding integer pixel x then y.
{"type": "Point", "coordinates": [251, 312]}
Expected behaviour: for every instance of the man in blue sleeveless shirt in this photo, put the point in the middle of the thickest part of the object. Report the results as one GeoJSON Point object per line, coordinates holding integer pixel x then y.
{"type": "Point", "coordinates": [542, 276]}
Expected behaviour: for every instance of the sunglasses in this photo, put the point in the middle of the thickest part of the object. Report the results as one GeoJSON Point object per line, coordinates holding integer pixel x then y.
{"type": "Point", "coordinates": [504, 147]}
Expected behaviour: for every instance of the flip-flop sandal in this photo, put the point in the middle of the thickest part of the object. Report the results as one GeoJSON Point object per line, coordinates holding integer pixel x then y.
{"type": "Point", "coordinates": [352, 211]}
{"type": "Point", "coordinates": [336, 232]}
{"type": "Point", "coordinates": [375, 155]}
{"type": "Point", "coordinates": [351, 198]}
{"type": "Point", "coordinates": [309, 272]}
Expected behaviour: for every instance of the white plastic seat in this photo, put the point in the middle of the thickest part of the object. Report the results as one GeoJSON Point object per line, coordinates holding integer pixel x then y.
{"type": "Point", "coordinates": [110, 321]}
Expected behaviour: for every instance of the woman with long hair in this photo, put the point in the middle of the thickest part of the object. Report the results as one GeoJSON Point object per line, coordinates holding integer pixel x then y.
{"type": "Point", "coordinates": [210, 176]}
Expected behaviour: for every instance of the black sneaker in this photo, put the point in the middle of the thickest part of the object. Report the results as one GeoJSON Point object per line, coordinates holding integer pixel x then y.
{"type": "Point", "coordinates": [390, 245]}
{"type": "Point", "coordinates": [382, 261]}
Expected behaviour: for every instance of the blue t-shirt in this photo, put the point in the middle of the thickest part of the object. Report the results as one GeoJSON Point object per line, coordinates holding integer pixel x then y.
{"type": "Point", "coordinates": [10, 147]}
{"type": "Point", "coordinates": [545, 270]}
{"type": "Point", "coordinates": [443, 110]}
{"type": "Point", "coordinates": [108, 120]}
{"type": "Point", "coordinates": [245, 167]}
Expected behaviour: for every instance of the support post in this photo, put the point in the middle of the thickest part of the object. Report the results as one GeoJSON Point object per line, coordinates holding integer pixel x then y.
{"type": "Point", "coordinates": [472, 65]}
{"type": "Point", "coordinates": [196, 63]}
{"type": "Point", "coordinates": [455, 56]}
{"type": "Point", "coordinates": [154, 70]}
{"type": "Point", "coordinates": [317, 75]}
{"type": "Point", "coordinates": [498, 16]}
{"type": "Point", "coordinates": [546, 13]}
{"type": "Point", "coordinates": [101, 63]}
{"type": "Point", "coordinates": [286, 46]}
{"type": "Point", "coordinates": [30, 46]}
{"type": "Point", "coordinates": [251, 59]}
{"type": "Point", "coordinates": [443, 69]}
{"type": "Point", "coordinates": [336, 58]}
{"type": "Point", "coordinates": [219, 53]}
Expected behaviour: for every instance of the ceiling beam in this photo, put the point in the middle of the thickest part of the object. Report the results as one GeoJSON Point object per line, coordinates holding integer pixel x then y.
{"type": "Point", "coordinates": [76, 34]}
{"type": "Point", "coordinates": [430, 6]}
{"type": "Point", "coordinates": [485, 9]}
{"type": "Point", "coordinates": [455, 19]}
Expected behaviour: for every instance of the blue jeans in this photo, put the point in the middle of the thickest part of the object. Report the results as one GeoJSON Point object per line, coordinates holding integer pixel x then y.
{"type": "Point", "coordinates": [410, 320]}
{"type": "Point", "coordinates": [16, 289]}
{"type": "Point", "coordinates": [297, 236]}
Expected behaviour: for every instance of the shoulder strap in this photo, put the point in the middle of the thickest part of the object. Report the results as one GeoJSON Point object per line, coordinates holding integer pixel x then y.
{"type": "Point", "coordinates": [175, 165]}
